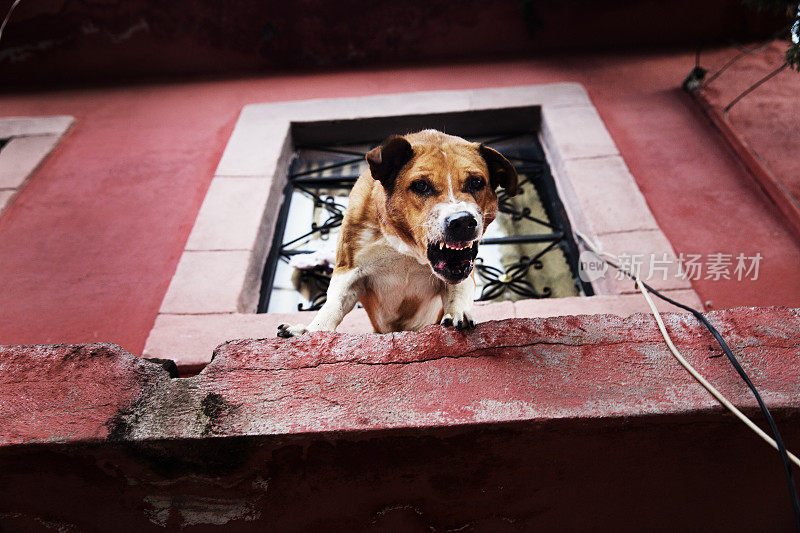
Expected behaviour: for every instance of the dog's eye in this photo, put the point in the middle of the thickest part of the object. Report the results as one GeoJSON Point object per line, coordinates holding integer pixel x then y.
{"type": "Point", "coordinates": [421, 187]}
{"type": "Point", "coordinates": [475, 184]}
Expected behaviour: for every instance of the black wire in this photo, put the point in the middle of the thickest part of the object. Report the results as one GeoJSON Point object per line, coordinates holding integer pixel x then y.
{"type": "Point", "coordinates": [787, 467]}
{"type": "Point", "coordinates": [755, 86]}
{"type": "Point", "coordinates": [743, 52]}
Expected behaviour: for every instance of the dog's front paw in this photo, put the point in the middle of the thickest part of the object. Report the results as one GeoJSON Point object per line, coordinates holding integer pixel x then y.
{"type": "Point", "coordinates": [459, 319]}
{"type": "Point", "coordinates": [286, 331]}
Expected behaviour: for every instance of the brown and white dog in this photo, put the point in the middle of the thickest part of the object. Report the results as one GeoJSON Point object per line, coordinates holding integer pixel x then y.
{"type": "Point", "coordinates": [410, 234]}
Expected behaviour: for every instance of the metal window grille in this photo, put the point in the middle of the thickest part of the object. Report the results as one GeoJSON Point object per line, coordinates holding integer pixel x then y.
{"type": "Point", "coordinates": [528, 252]}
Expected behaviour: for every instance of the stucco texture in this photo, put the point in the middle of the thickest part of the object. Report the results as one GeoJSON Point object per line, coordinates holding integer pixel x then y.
{"type": "Point", "coordinates": [769, 117]}
{"type": "Point", "coordinates": [508, 427]}
{"type": "Point", "coordinates": [88, 248]}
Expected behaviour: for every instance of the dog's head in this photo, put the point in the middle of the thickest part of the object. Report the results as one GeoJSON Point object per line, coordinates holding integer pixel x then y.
{"type": "Point", "coordinates": [440, 195]}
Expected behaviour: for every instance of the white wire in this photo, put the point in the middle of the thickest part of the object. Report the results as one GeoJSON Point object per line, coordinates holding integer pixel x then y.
{"type": "Point", "coordinates": [8, 16]}
{"type": "Point", "coordinates": [684, 363]}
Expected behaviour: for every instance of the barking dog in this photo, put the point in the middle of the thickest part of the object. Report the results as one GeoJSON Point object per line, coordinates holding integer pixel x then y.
{"type": "Point", "coordinates": [410, 234]}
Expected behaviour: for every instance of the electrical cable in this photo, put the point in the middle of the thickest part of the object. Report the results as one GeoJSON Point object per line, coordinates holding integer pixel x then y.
{"type": "Point", "coordinates": [743, 52]}
{"type": "Point", "coordinates": [777, 442]}
{"type": "Point", "coordinates": [8, 17]}
{"type": "Point", "coordinates": [753, 87]}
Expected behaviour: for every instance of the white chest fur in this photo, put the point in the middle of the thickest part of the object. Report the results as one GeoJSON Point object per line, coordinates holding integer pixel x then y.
{"type": "Point", "coordinates": [403, 289]}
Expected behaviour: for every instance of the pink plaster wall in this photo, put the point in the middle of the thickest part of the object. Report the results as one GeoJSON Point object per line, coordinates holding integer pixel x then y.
{"type": "Point", "coordinates": [89, 246]}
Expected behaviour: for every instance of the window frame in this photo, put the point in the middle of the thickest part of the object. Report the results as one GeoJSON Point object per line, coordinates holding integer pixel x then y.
{"type": "Point", "coordinates": [214, 293]}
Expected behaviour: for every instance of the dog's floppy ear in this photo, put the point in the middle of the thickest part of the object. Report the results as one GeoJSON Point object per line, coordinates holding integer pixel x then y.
{"type": "Point", "coordinates": [386, 160]}
{"type": "Point", "coordinates": [501, 172]}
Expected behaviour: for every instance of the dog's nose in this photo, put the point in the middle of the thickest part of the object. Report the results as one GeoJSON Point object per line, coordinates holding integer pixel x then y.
{"type": "Point", "coordinates": [460, 226]}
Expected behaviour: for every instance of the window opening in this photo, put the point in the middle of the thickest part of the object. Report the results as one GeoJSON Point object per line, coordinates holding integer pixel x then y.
{"type": "Point", "coordinates": [527, 252]}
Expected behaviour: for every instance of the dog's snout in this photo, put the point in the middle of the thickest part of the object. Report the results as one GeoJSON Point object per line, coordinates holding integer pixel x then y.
{"type": "Point", "coordinates": [460, 226]}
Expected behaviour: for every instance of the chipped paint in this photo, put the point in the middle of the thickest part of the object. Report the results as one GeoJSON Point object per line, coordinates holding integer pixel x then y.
{"type": "Point", "coordinates": [274, 424]}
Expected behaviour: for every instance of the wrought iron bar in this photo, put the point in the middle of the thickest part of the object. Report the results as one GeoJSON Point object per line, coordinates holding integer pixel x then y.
{"type": "Point", "coordinates": [512, 278]}
{"type": "Point", "coordinates": [330, 180]}
{"type": "Point", "coordinates": [331, 150]}
{"type": "Point", "coordinates": [323, 169]}
{"type": "Point", "coordinates": [524, 239]}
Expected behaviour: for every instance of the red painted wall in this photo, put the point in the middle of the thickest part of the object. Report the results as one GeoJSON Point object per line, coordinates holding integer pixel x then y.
{"type": "Point", "coordinates": [89, 246]}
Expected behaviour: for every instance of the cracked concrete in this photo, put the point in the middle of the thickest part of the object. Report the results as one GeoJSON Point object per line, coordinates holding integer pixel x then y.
{"type": "Point", "coordinates": [436, 376]}
{"type": "Point", "coordinates": [436, 430]}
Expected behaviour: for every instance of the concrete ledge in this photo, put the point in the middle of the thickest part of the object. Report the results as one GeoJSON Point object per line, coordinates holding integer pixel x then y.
{"type": "Point", "coordinates": [189, 340]}
{"type": "Point", "coordinates": [506, 353]}
{"type": "Point", "coordinates": [231, 215]}
{"type": "Point", "coordinates": [31, 141]}
{"type": "Point", "coordinates": [5, 198]}
{"type": "Point", "coordinates": [22, 126]}
{"type": "Point", "coordinates": [515, 420]}
{"type": "Point", "coordinates": [21, 156]}
{"type": "Point", "coordinates": [551, 95]}
{"type": "Point", "coordinates": [608, 196]}
{"type": "Point", "coordinates": [222, 274]}
{"type": "Point", "coordinates": [577, 132]}
{"type": "Point", "coordinates": [255, 146]}
{"type": "Point", "coordinates": [653, 251]}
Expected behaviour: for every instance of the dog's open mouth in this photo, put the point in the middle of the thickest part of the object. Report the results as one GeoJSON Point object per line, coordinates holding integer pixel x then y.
{"type": "Point", "coordinates": [452, 261]}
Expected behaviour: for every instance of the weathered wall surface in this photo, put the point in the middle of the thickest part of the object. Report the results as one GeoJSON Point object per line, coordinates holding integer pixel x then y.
{"type": "Point", "coordinates": [88, 248]}
{"type": "Point", "coordinates": [764, 125]}
{"type": "Point", "coordinates": [569, 422]}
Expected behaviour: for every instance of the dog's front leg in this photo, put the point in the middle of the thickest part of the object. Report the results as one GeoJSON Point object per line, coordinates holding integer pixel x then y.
{"type": "Point", "coordinates": [343, 293]}
{"type": "Point", "coordinates": [457, 302]}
